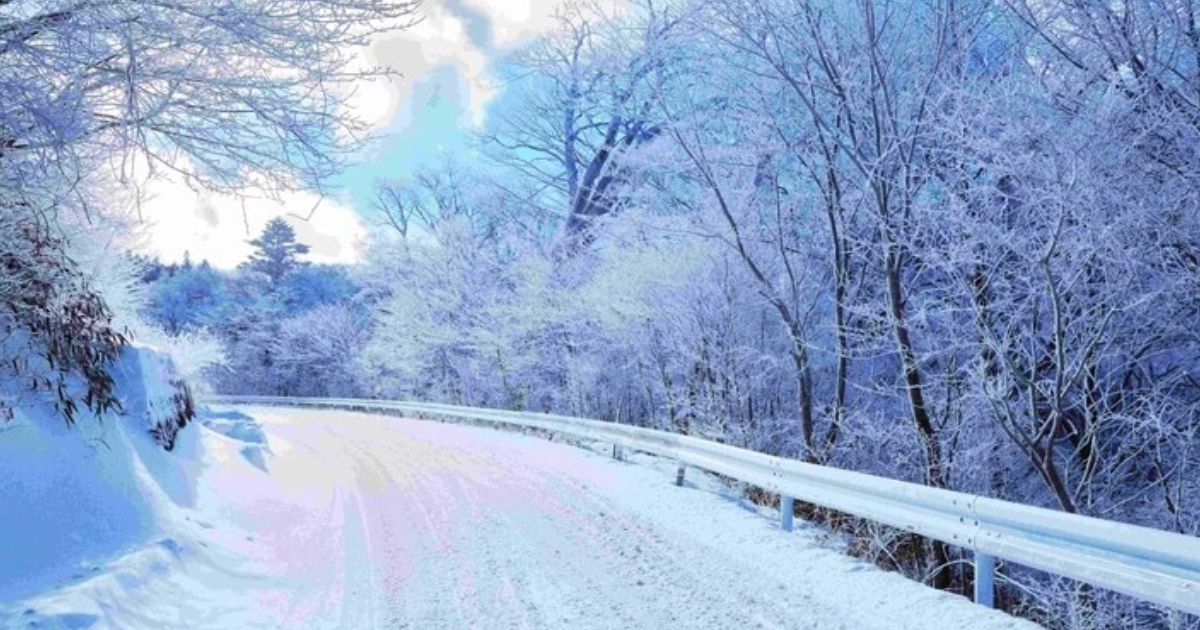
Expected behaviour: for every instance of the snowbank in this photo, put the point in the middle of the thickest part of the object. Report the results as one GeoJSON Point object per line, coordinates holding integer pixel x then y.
{"type": "Point", "coordinates": [241, 428]}
{"type": "Point", "coordinates": [192, 547]}
{"type": "Point", "coordinates": [152, 394]}
{"type": "Point", "coordinates": [74, 498]}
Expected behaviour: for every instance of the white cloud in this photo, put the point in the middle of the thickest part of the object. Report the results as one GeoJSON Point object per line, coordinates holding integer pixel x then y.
{"type": "Point", "coordinates": [440, 40]}
{"type": "Point", "coordinates": [444, 38]}
{"type": "Point", "coordinates": [216, 228]}
{"type": "Point", "coordinates": [516, 20]}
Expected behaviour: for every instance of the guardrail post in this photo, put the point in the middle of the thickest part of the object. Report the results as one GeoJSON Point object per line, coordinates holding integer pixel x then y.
{"type": "Point", "coordinates": [985, 573]}
{"type": "Point", "coordinates": [679, 475]}
{"type": "Point", "coordinates": [618, 453]}
{"type": "Point", "coordinates": [787, 506]}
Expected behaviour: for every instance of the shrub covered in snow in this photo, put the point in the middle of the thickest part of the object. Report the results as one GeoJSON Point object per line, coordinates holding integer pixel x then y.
{"type": "Point", "coordinates": [59, 344]}
{"type": "Point", "coordinates": [152, 395]}
{"type": "Point", "coordinates": [57, 339]}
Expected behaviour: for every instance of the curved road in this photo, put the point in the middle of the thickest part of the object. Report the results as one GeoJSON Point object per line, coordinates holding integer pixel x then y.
{"type": "Point", "coordinates": [370, 522]}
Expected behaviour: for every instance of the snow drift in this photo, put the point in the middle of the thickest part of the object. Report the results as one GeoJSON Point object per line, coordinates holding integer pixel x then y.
{"type": "Point", "coordinates": [72, 498]}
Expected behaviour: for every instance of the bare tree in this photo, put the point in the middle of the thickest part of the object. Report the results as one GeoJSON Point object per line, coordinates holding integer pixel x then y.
{"type": "Point", "coordinates": [586, 98]}
{"type": "Point", "coordinates": [228, 96]}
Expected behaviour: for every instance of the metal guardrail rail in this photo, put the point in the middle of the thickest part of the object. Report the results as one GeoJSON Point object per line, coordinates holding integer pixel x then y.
{"type": "Point", "coordinates": [1149, 564]}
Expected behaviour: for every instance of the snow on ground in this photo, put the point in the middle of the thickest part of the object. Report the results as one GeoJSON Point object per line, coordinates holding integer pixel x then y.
{"type": "Point", "coordinates": [74, 499]}
{"type": "Point", "coordinates": [365, 522]}
{"type": "Point", "coordinates": [242, 428]}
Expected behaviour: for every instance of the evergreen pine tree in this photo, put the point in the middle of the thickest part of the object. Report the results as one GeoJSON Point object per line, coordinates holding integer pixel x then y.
{"type": "Point", "coordinates": [276, 251]}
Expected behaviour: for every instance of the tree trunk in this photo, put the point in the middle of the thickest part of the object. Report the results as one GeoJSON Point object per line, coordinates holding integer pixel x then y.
{"type": "Point", "coordinates": [934, 473]}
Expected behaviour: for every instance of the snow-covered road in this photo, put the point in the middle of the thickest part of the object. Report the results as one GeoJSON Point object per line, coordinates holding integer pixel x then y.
{"type": "Point", "coordinates": [362, 522]}
{"type": "Point", "coordinates": [442, 526]}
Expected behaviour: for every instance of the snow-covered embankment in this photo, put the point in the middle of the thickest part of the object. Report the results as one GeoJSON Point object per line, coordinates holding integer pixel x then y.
{"type": "Point", "coordinates": [92, 514]}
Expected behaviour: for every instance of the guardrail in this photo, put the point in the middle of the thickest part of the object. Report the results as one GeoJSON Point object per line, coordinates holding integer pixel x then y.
{"type": "Point", "coordinates": [1149, 564]}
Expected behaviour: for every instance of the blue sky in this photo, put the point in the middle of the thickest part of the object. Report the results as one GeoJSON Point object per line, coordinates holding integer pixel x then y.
{"type": "Point", "coordinates": [437, 122]}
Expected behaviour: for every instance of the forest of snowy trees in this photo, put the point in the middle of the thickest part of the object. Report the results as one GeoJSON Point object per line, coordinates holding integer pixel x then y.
{"type": "Point", "coordinates": [955, 242]}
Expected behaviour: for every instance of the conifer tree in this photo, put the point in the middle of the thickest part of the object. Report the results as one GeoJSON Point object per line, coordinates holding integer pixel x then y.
{"type": "Point", "coordinates": [276, 251]}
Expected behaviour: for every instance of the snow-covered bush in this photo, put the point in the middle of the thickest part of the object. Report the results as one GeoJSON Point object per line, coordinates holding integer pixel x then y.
{"type": "Point", "coordinates": [316, 351]}
{"type": "Point", "coordinates": [194, 354]}
{"type": "Point", "coordinates": [152, 395]}
{"type": "Point", "coordinates": [57, 338]}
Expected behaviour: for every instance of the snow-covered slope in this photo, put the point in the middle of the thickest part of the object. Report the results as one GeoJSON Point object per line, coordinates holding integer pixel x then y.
{"type": "Point", "coordinates": [71, 497]}
{"type": "Point", "coordinates": [77, 501]}
{"type": "Point", "coordinates": [365, 522]}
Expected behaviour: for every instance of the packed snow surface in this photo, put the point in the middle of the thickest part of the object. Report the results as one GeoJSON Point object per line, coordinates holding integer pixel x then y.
{"type": "Point", "coordinates": [361, 522]}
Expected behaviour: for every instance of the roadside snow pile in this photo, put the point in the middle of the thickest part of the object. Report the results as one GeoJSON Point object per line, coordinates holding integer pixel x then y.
{"type": "Point", "coordinates": [74, 499]}
{"type": "Point", "coordinates": [193, 547]}
{"type": "Point", "coordinates": [152, 394]}
{"type": "Point", "coordinates": [242, 428]}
